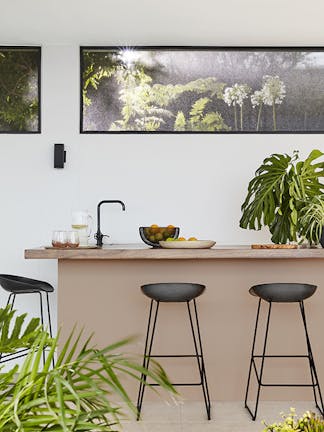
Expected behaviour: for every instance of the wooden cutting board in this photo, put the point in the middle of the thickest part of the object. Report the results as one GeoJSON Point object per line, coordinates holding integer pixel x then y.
{"type": "Point", "coordinates": [274, 246]}
{"type": "Point", "coordinates": [73, 248]}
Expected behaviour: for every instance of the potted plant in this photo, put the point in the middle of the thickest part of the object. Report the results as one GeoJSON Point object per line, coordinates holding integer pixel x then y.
{"type": "Point", "coordinates": [77, 394]}
{"type": "Point", "coordinates": [308, 422]}
{"type": "Point", "coordinates": [282, 186]}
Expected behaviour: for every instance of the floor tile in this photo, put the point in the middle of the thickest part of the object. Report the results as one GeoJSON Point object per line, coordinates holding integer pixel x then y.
{"type": "Point", "coordinates": [164, 427]}
{"type": "Point", "coordinates": [161, 412]}
{"type": "Point", "coordinates": [134, 427]}
{"type": "Point", "coordinates": [190, 416]}
{"type": "Point", "coordinates": [193, 412]}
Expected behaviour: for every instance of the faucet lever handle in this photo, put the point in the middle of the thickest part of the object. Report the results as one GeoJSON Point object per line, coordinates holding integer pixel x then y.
{"type": "Point", "coordinates": [100, 237]}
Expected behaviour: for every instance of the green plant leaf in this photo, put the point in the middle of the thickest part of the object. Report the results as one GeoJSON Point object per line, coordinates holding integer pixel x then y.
{"type": "Point", "coordinates": [265, 192]}
{"type": "Point", "coordinates": [311, 220]}
{"type": "Point", "coordinates": [277, 192]}
{"type": "Point", "coordinates": [74, 395]}
{"type": "Point", "coordinates": [17, 338]}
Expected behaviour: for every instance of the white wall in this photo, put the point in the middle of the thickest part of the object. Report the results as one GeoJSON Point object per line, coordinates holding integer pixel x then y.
{"type": "Point", "coordinates": [195, 181]}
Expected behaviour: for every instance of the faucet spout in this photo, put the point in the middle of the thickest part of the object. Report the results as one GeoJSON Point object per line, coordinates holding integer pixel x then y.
{"type": "Point", "coordinates": [99, 236]}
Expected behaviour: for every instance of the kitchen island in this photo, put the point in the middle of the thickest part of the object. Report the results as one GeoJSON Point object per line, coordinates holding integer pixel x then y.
{"type": "Point", "coordinates": [100, 289]}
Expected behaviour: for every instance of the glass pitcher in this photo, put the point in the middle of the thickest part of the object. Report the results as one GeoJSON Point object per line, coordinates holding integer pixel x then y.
{"type": "Point", "coordinates": [82, 223]}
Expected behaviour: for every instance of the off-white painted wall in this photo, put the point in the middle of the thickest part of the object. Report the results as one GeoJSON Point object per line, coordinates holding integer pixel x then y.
{"type": "Point", "coordinates": [195, 181]}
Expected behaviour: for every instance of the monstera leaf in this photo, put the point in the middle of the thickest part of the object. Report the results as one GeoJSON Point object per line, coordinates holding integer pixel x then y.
{"type": "Point", "coordinates": [277, 192]}
{"type": "Point", "coordinates": [311, 221]}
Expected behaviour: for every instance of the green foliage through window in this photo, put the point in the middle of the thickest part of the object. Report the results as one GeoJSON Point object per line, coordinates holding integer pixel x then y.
{"type": "Point", "coordinates": [19, 89]}
{"type": "Point", "coordinates": [159, 89]}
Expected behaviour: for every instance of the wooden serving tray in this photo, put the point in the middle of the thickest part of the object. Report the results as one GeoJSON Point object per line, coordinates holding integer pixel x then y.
{"type": "Point", "coordinates": [274, 246]}
{"type": "Point", "coordinates": [72, 248]}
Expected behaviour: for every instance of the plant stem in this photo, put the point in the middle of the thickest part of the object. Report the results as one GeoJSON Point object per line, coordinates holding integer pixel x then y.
{"type": "Point", "coordinates": [274, 116]}
{"type": "Point", "coordinates": [305, 120]}
{"type": "Point", "coordinates": [235, 117]}
{"type": "Point", "coordinates": [259, 117]}
{"type": "Point", "coordinates": [241, 117]}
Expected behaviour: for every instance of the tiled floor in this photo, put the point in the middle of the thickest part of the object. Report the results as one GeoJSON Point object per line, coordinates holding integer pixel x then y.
{"type": "Point", "coordinates": [226, 417]}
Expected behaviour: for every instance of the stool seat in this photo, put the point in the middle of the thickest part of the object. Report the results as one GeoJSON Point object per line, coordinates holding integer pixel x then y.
{"type": "Point", "coordinates": [283, 292]}
{"type": "Point", "coordinates": [173, 291]}
{"type": "Point", "coordinates": [23, 285]}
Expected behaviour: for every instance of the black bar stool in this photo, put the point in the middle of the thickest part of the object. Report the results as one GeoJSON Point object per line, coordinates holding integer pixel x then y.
{"type": "Point", "coordinates": [17, 285]}
{"type": "Point", "coordinates": [178, 293]}
{"type": "Point", "coordinates": [282, 293]}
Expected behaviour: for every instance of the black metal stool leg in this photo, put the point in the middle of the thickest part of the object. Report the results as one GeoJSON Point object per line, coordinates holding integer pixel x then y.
{"type": "Point", "coordinates": [313, 371]}
{"type": "Point", "coordinates": [259, 378]}
{"type": "Point", "coordinates": [49, 316]}
{"type": "Point", "coordinates": [199, 356]}
{"type": "Point", "coordinates": [144, 360]}
{"type": "Point", "coordinates": [252, 357]}
{"type": "Point", "coordinates": [309, 354]}
{"type": "Point", "coordinates": [147, 354]}
{"type": "Point", "coordinates": [11, 303]}
{"type": "Point", "coordinates": [42, 320]}
{"type": "Point", "coordinates": [202, 361]}
{"type": "Point", "coordinates": [49, 321]}
{"type": "Point", "coordinates": [13, 296]}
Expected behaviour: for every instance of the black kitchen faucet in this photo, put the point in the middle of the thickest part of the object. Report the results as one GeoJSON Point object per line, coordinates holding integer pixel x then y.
{"type": "Point", "coordinates": [99, 236]}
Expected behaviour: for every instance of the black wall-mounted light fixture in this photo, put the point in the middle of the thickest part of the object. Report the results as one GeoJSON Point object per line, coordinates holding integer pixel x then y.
{"type": "Point", "coordinates": [59, 156]}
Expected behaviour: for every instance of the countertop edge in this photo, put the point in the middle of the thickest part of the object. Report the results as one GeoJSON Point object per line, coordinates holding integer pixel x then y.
{"type": "Point", "coordinates": [137, 252]}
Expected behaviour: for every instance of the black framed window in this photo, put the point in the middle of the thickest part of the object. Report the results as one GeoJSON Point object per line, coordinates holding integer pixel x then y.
{"type": "Point", "coordinates": [202, 90]}
{"type": "Point", "coordinates": [20, 76]}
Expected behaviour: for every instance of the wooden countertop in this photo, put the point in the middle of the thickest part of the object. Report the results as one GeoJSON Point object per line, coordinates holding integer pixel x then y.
{"type": "Point", "coordinates": [143, 252]}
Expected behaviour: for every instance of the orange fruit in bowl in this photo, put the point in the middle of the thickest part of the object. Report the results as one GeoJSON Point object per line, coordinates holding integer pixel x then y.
{"type": "Point", "coordinates": [192, 239]}
{"type": "Point", "coordinates": [154, 228]}
{"type": "Point", "coordinates": [181, 239]}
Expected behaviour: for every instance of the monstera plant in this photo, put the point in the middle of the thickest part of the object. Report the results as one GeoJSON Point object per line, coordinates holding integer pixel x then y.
{"type": "Point", "coordinates": [82, 392]}
{"type": "Point", "coordinates": [283, 185]}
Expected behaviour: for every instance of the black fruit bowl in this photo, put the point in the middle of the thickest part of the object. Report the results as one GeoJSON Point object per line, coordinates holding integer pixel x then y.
{"type": "Point", "coordinates": [152, 235]}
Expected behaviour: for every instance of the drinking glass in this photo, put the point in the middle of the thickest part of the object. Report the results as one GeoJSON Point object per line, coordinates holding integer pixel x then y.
{"type": "Point", "coordinates": [82, 223]}
{"type": "Point", "coordinates": [59, 239]}
{"type": "Point", "coordinates": [72, 239]}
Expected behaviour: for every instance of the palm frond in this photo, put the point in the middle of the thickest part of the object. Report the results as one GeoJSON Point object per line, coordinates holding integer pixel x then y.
{"type": "Point", "coordinates": [75, 395]}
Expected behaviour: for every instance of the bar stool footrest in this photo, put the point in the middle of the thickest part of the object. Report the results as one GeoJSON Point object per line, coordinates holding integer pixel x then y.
{"type": "Point", "coordinates": [178, 384]}
{"type": "Point", "coordinates": [12, 356]}
{"type": "Point", "coordinates": [174, 355]}
{"type": "Point", "coordinates": [280, 356]}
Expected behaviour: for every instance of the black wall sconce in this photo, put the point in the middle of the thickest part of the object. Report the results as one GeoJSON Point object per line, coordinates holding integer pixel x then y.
{"type": "Point", "coordinates": [59, 156]}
